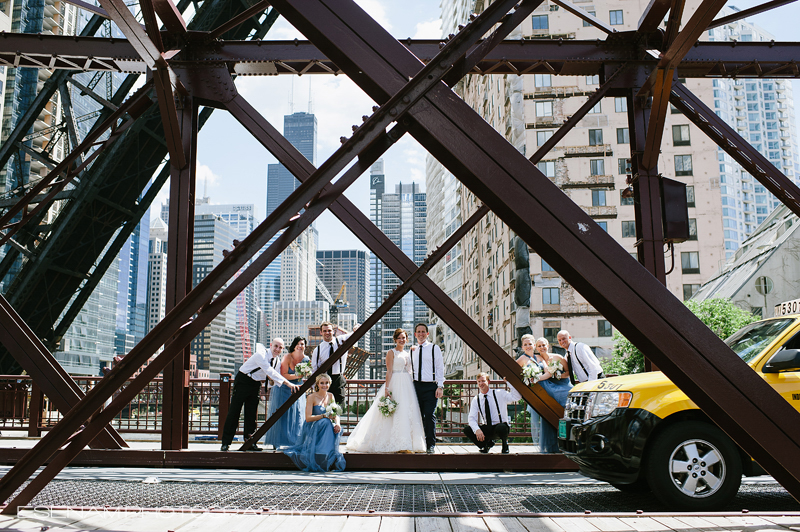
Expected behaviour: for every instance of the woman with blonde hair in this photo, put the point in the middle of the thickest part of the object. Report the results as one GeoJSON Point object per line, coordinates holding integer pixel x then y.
{"type": "Point", "coordinates": [402, 431]}
{"type": "Point", "coordinates": [317, 448]}
{"type": "Point", "coordinates": [554, 380]}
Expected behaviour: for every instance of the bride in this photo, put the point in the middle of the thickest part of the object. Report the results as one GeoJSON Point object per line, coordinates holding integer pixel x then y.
{"type": "Point", "coordinates": [402, 431]}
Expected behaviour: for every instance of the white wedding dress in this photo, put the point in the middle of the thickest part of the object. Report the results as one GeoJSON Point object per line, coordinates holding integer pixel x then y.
{"type": "Point", "coordinates": [403, 431]}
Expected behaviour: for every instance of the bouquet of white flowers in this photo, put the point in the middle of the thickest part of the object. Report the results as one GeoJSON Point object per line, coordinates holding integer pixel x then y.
{"type": "Point", "coordinates": [303, 369]}
{"type": "Point", "coordinates": [333, 410]}
{"type": "Point", "coordinates": [387, 405]}
{"type": "Point", "coordinates": [531, 373]}
{"type": "Point", "coordinates": [555, 368]}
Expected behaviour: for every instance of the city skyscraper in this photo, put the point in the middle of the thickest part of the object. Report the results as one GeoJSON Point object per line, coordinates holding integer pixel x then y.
{"type": "Point", "coordinates": [300, 129]}
{"type": "Point", "coordinates": [215, 347]}
{"type": "Point", "coordinates": [133, 287]}
{"type": "Point", "coordinates": [349, 267]}
{"type": "Point", "coordinates": [377, 186]}
{"type": "Point", "coordinates": [506, 286]}
{"type": "Point", "coordinates": [403, 220]}
{"type": "Point", "coordinates": [157, 274]}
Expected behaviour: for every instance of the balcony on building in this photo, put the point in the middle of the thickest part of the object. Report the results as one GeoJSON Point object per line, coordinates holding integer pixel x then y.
{"type": "Point", "coordinates": [586, 151]}
{"type": "Point", "coordinates": [600, 211]}
{"type": "Point", "coordinates": [590, 181]}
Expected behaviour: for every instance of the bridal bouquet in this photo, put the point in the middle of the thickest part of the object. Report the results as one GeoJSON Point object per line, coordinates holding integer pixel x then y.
{"type": "Point", "coordinates": [387, 405]}
{"type": "Point", "coordinates": [555, 368]}
{"type": "Point", "coordinates": [303, 369]}
{"type": "Point", "coordinates": [333, 410]}
{"type": "Point", "coordinates": [531, 374]}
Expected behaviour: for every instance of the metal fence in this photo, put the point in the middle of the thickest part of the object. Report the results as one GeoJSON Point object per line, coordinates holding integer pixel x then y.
{"type": "Point", "coordinates": [24, 407]}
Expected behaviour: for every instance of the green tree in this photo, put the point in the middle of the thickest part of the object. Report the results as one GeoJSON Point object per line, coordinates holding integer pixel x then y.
{"type": "Point", "coordinates": [720, 315]}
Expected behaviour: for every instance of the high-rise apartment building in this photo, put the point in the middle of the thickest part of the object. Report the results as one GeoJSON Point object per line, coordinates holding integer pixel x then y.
{"type": "Point", "coordinates": [377, 185]}
{"type": "Point", "coordinates": [508, 287]}
{"type": "Point", "coordinates": [762, 111]}
{"type": "Point", "coordinates": [403, 219]}
{"type": "Point", "coordinates": [300, 129]}
{"type": "Point", "coordinates": [215, 347]}
{"type": "Point", "coordinates": [5, 25]}
{"type": "Point", "coordinates": [347, 268]}
{"type": "Point", "coordinates": [293, 318]}
{"type": "Point", "coordinates": [444, 190]}
{"type": "Point", "coordinates": [241, 218]}
{"type": "Point", "coordinates": [157, 275]}
{"type": "Point", "coordinates": [133, 288]}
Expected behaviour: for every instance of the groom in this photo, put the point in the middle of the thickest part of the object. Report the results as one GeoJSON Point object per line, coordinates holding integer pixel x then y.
{"type": "Point", "coordinates": [428, 367]}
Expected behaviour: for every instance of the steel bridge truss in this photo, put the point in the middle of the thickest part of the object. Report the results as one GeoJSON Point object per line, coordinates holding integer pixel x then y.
{"type": "Point", "coordinates": [189, 69]}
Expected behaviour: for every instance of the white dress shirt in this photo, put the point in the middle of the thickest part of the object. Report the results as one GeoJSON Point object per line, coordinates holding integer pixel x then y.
{"type": "Point", "coordinates": [258, 366]}
{"type": "Point", "coordinates": [591, 366]}
{"type": "Point", "coordinates": [422, 355]}
{"type": "Point", "coordinates": [477, 407]}
{"type": "Point", "coordinates": [323, 351]}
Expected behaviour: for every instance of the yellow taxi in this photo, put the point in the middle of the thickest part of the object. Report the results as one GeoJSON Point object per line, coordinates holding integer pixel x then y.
{"type": "Point", "coordinates": [641, 432]}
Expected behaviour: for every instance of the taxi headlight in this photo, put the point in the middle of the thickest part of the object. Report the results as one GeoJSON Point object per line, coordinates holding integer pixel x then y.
{"type": "Point", "coordinates": [603, 403]}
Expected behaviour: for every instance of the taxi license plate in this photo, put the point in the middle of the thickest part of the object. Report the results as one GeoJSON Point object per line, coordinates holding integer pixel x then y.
{"type": "Point", "coordinates": [562, 429]}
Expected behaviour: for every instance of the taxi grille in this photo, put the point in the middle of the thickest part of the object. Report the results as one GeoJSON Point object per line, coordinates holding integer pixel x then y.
{"type": "Point", "coordinates": [577, 404]}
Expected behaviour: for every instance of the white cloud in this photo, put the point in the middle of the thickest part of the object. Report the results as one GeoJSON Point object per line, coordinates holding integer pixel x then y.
{"type": "Point", "coordinates": [206, 179]}
{"type": "Point", "coordinates": [377, 10]}
{"type": "Point", "coordinates": [432, 29]}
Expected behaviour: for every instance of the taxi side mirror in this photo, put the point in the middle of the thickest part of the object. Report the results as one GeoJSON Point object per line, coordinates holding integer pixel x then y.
{"type": "Point", "coordinates": [783, 360]}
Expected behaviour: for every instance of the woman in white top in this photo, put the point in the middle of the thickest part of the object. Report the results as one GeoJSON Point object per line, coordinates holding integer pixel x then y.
{"type": "Point", "coordinates": [402, 431]}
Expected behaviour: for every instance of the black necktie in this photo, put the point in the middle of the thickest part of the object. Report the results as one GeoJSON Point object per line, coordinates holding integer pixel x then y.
{"type": "Point", "coordinates": [488, 411]}
{"type": "Point", "coordinates": [419, 369]}
{"type": "Point", "coordinates": [331, 353]}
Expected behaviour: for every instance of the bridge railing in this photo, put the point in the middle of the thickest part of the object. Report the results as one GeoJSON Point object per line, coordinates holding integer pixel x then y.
{"type": "Point", "coordinates": [24, 407]}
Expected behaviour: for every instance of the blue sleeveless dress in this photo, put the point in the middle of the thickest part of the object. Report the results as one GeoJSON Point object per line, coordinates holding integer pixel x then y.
{"type": "Point", "coordinates": [558, 389]}
{"type": "Point", "coordinates": [286, 430]}
{"type": "Point", "coordinates": [317, 447]}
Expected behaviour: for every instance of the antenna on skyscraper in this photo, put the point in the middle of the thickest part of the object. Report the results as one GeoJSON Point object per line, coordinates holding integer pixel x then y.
{"type": "Point", "coordinates": [291, 98]}
{"type": "Point", "coordinates": [310, 101]}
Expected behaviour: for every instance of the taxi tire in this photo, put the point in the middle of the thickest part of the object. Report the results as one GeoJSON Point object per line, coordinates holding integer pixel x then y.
{"type": "Point", "coordinates": [640, 486]}
{"type": "Point", "coordinates": [672, 449]}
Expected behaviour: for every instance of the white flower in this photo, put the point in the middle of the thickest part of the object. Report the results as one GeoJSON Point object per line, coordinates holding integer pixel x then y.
{"type": "Point", "coordinates": [333, 410]}
{"type": "Point", "coordinates": [555, 368]}
{"type": "Point", "coordinates": [531, 373]}
{"type": "Point", "coordinates": [303, 369]}
{"type": "Point", "coordinates": [387, 405]}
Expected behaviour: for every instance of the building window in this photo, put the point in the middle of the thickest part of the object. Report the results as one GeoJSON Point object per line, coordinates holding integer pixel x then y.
{"type": "Point", "coordinates": [593, 80]}
{"type": "Point", "coordinates": [615, 17]}
{"type": "Point", "coordinates": [690, 196]}
{"type": "Point", "coordinates": [542, 80]}
{"type": "Point", "coordinates": [690, 262]}
{"type": "Point", "coordinates": [542, 136]}
{"type": "Point", "coordinates": [595, 110]}
{"type": "Point", "coordinates": [595, 137]}
{"type": "Point", "coordinates": [680, 135]}
{"type": "Point", "coordinates": [551, 296]}
{"type": "Point", "coordinates": [585, 23]}
{"type": "Point", "coordinates": [623, 138]}
{"type": "Point", "coordinates": [620, 105]}
{"type": "Point", "coordinates": [692, 229]}
{"type": "Point", "coordinates": [689, 290]}
{"type": "Point", "coordinates": [603, 328]}
{"type": "Point", "coordinates": [683, 165]}
{"type": "Point", "coordinates": [548, 168]}
{"type": "Point", "coordinates": [598, 198]}
{"type": "Point", "coordinates": [603, 226]}
{"type": "Point", "coordinates": [597, 167]}
{"type": "Point", "coordinates": [540, 22]}
{"type": "Point", "coordinates": [546, 267]}
{"type": "Point", "coordinates": [674, 110]}
{"type": "Point", "coordinates": [628, 229]}
{"type": "Point", "coordinates": [625, 200]}
{"type": "Point", "coordinates": [551, 334]}
{"type": "Point", "coordinates": [544, 108]}
{"type": "Point", "coordinates": [623, 166]}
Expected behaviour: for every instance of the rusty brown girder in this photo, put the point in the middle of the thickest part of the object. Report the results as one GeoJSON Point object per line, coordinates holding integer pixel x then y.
{"type": "Point", "coordinates": [367, 139]}
{"type": "Point", "coordinates": [634, 301]}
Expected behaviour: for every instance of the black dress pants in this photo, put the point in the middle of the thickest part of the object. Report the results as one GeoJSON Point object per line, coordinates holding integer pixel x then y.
{"type": "Point", "coordinates": [245, 393]}
{"type": "Point", "coordinates": [490, 432]}
{"type": "Point", "coordinates": [338, 383]}
{"type": "Point", "coordinates": [426, 396]}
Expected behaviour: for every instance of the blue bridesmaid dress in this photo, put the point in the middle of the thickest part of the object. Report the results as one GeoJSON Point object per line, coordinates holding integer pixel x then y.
{"type": "Point", "coordinates": [558, 389]}
{"type": "Point", "coordinates": [317, 447]}
{"type": "Point", "coordinates": [286, 430]}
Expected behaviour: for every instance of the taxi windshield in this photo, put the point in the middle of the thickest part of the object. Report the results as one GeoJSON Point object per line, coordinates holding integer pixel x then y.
{"type": "Point", "coordinates": [751, 340]}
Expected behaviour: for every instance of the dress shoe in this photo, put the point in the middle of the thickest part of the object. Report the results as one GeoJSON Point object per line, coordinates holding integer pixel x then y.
{"type": "Point", "coordinates": [505, 449]}
{"type": "Point", "coordinates": [255, 448]}
{"type": "Point", "coordinates": [223, 448]}
{"type": "Point", "coordinates": [483, 450]}
{"type": "Point", "coordinates": [431, 449]}
{"type": "Point", "coordinates": [490, 444]}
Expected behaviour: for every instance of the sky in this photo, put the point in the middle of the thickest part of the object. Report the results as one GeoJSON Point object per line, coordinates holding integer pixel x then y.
{"type": "Point", "coordinates": [232, 165]}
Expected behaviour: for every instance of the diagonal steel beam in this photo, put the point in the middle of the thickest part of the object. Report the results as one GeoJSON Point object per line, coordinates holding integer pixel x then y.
{"type": "Point", "coordinates": [766, 6]}
{"type": "Point", "coordinates": [45, 370]}
{"type": "Point", "coordinates": [251, 12]}
{"type": "Point", "coordinates": [755, 416]}
{"type": "Point", "coordinates": [585, 16]}
{"type": "Point", "coordinates": [742, 151]}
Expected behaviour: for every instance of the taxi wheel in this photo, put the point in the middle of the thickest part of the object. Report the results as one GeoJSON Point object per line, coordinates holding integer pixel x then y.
{"type": "Point", "coordinates": [640, 486]}
{"type": "Point", "coordinates": [694, 466]}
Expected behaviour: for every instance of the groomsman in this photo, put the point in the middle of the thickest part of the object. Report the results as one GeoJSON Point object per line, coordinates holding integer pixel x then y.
{"type": "Point", "coordinates": [324, 350]}
{"type": "Point", "coordinates": [491, 406]}
{"type": "Point", "coordinates": [428, 367]}
{"type": "Point", "coordinates": [246, 390]}
{"type": "Point", "coordinates": [582, 365]}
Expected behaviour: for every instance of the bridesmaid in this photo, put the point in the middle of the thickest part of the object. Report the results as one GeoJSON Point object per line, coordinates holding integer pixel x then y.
{"type": "Point", "coordinates": [286, 430]}
{"type": "Point", "coordinates": [529, 356]}
{"type": "Point", "coordinates": [557, 388]}
{"type": "Point", "coordinates": [318, 445]}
